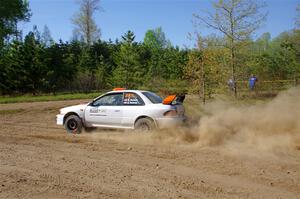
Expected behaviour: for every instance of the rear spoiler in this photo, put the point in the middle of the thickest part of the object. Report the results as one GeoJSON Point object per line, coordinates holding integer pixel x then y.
{"type": "Point", "coordinates": [174, 99]}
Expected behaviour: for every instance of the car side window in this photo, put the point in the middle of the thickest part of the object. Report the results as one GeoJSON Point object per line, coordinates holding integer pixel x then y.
{"type": "Point", "coordinates": [132, 99]}
{"type": "Point", "coordinates": [113, 99]}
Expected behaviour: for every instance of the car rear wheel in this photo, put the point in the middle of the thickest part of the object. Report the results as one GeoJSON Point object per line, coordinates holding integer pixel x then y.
{"type": "Point", "coordinates": [73, 124]}
{"type": "Point", "coordinates": [144, 124]}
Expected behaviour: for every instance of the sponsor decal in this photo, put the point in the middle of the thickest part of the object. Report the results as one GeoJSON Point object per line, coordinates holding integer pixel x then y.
{"type": "Point", "coordinates": [94, 110]}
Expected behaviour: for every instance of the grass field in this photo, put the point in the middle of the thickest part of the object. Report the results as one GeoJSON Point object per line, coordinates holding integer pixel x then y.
{"type": "Point", "coordinates": [42, 98]}
{"type": "Point", "coordinates": [248, 98]}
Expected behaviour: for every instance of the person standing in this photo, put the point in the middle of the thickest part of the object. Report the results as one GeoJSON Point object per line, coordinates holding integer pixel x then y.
{"type": "Point", "coordinates": [252, 81]}
{"type": "Point", "coordinates": [231, 84]}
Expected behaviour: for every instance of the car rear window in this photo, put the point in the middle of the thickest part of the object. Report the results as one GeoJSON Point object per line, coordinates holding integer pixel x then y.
{"type": "Point", "coordinates": [155, 99]}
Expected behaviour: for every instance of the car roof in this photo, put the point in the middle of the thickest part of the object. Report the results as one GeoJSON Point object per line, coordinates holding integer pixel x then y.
{"type": "Point", "coordinates": [139, 92]}
{"type": "Point", "coordinates": [119, 91]}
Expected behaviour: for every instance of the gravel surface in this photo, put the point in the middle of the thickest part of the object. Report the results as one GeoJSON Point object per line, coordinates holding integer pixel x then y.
{"type": "Point", "coordinates": [38, 159]}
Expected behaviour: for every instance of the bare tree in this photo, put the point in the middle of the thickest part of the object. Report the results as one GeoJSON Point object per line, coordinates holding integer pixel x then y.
{"type": "Point", "coordinates": [46, 37]}
{"type": "Point", "coordinates": [236, 20]}
{"type": "Point", "coordinates": [85, 25]}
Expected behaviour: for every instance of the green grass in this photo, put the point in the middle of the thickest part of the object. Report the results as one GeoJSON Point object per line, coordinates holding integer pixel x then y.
{"type": "Point", "coordinates": [42, 98]}
{"type": "Point", "coordinates": [59, 97]}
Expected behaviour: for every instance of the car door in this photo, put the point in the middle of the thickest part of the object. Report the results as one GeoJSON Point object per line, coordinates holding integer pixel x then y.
{"type": "Point", "coordinates": [133, 106]}
{"type": "Point", "coordinates": [105, 111]}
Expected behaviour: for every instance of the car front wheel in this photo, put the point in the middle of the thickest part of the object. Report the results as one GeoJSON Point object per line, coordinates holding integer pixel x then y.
{"type": "Point", "coordinates": [73, 124]}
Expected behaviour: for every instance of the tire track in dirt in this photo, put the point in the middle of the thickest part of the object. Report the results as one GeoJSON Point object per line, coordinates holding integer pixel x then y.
{"type": "Point", "coordinates": [40, 160]}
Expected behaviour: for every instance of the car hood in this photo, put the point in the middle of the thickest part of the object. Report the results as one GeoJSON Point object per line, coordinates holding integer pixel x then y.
{"type": "Point", "coordinates": [76, 108]}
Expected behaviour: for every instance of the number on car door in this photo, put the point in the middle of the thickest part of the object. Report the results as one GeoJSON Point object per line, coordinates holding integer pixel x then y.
{"type": "Point", "coordinates": [133, 106]}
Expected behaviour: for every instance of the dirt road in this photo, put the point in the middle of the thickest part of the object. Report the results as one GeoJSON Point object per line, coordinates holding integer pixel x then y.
{"type": "Point", "coordinates": [40, 160]}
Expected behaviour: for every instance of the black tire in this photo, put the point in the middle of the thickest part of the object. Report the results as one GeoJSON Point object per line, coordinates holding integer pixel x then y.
{"type": "Point", "coordinates": [144, 124]}
{"type": "Point", "coordinates": [73, 124]}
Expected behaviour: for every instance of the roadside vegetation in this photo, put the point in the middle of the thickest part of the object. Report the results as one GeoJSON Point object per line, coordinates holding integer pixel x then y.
{"type": "Point", "coordinates": [35, 64]}
{"type": "Point", "coordinates": [49, 97]}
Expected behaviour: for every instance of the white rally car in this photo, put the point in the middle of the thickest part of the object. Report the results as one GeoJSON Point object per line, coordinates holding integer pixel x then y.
{"type": "Point", "coordinates": [127, 109]}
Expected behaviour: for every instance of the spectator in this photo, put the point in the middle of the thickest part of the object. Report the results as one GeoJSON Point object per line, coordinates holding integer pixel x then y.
{"type": "Point", "coordinates": [231, 84]}
{"type": "Point", "coordinates": [252, 81]}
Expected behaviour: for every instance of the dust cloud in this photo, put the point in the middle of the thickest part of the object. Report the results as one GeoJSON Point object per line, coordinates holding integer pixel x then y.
{"type": "Point", "coordinates": [271, 126]}
{"type": "Point", "coordinates": [274, 125]}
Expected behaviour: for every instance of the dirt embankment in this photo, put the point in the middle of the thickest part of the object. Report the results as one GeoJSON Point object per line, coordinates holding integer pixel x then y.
{"type": "Point", "coordinates": [245, 152]}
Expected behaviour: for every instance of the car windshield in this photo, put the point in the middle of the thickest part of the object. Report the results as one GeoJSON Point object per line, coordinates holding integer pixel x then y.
{"type": "Point", "coordinates": [155, 99]}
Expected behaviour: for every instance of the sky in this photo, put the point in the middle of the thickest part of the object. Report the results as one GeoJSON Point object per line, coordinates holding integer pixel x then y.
{"type": "Point", "coordinates": [174, 16]}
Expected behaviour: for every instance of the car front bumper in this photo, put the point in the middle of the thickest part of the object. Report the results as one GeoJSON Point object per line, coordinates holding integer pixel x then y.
{"type": "Point", "coordinates": [60, 119]}
{"type": "Point", "coordinates": [168, 122]}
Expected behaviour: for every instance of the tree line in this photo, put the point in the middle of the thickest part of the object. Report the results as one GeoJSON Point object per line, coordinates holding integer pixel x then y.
{"type": "Point", "coordinates": [38, 64]}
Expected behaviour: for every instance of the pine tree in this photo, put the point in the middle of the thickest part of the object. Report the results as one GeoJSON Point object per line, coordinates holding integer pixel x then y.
{"type": "Point", "coordinates": [128, 72]}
